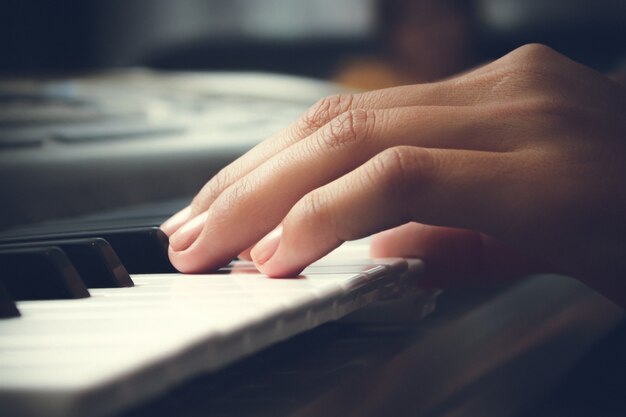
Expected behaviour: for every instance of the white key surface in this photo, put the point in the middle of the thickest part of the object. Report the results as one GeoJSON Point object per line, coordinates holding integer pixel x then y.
{"type": "Point", "coordinates": [95, 356]}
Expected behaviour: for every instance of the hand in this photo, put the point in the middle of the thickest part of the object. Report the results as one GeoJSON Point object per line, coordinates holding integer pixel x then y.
{"type": "Point", "coordinates": [518, 166]}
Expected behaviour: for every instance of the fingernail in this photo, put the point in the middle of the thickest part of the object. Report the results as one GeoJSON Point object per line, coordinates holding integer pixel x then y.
{"type": "Point", "coordinates": [267, 246]}
{"type": "Point", "coordinates": [177, 220]}
{"type": "Point", "coordinates": [188, 233]}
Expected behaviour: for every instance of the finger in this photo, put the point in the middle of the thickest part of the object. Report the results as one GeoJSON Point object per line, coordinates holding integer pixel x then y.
{"type": "Point", "coordinates": [396, 186]}
{"type": "Point", "coordinates": [453, 257]}
{"type": "Point", "coordinates": [472, 88]}
{"type": "Point", "coordinates": [244, 213]}
{"type": "Point", "coordinates": [245, 255]}
{"type": "Point", "coordinates": [449, 254]}
{"type": "Point", "coordinates": [447, 93]}
{"type": "Point", "coordinates": [318, 115]}
{"type": "Point", "coordinates": [176, 221]}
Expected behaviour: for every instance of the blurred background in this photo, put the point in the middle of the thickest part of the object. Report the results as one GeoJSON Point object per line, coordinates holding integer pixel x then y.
{"type": "Point", "coordinates": [78, 124]}
{"type": "Point", "coordinates": [363, 43]}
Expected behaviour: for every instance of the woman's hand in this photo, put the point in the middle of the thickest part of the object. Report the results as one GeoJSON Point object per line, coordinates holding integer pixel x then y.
{"type": "Point", "coordinates": [518, 166]}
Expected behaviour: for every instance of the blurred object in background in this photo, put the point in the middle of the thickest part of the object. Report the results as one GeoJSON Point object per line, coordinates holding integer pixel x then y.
{"type": "Point", "coordinates": [426, 40]}
{"type": "Point", "coordinates": [288, 36]}
{"type": "Point", "coordinates": [590, 31]}
{"type": "Point", "coordinates": [423, 40]}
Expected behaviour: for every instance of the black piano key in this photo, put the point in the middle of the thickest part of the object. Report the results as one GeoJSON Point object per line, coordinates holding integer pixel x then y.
{"type": "Point", "coordinates": [136, 217]}
{"type": "Point", "coordinates": [141, 250]}
{"type": "Point", "coordinates": [97, 263]}
{"type": "Point", "coordinates": [40, 274]}
{"type": "Point", "coordinates": [94, 259]}
{"type": "Point", "coordinates": [7, 305]}
{"type": "Point", "coordinates": [78, 225]}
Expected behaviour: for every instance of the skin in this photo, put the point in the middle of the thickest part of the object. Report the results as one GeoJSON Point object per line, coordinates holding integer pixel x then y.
{"type": "Point", "coordinates": [516, 167]}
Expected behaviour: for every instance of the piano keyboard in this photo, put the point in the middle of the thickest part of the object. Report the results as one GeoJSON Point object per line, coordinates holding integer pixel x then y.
{"type": "Point", "coordinates": [93, 338]}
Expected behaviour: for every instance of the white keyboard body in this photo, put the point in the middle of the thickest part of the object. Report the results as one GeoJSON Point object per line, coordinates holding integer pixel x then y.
{"type": "Point", "coordinates": [96, 356]}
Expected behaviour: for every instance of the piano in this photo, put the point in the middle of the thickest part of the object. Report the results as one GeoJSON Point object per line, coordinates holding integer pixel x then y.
{"type": "Point", "coordinates": [95, 322]}
{"type": "Point", "coordinates": [152, 328]}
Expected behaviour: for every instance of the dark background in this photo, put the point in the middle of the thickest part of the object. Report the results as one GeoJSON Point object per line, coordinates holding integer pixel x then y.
{"type": "Point", "coordinates": [288, 36]}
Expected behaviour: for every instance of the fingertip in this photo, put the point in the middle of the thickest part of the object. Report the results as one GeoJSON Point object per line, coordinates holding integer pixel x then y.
{"type": "Point", "coordinates": [452, 257]}
{"type": "Point", "coordinates": [171, 225]}
{"type": "Point", "coordinates": [200, 257]}
{"type": "Point", "coordinates": [187, 234]}
{"type": "Point", "coordinates": [245, 255]}
{"type": "Point", "coordinates": [278, 268]}
{"type": "Point", "coordinates": [399, 241]}
{"type": "Point", "coordinates": [266, 247]}
{"type": "Point", "coordinates": [272, 256]}
{"type": "Point", "coordinates": [293, 250]}
{"type": "Point", "coordinates": [178, 261]}
{"type": "Point", "coordinates": [197, 247]}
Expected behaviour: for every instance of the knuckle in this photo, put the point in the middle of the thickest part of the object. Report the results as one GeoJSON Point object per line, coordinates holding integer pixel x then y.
{"type": "Point", "coordinates": [533, 52]}
{"type": "Point", "coordinates": [198, 203]}
{"type": "Point", "coordinates": [232, 195]}
{"type": "Point", "coordinates": [398, 170]}
{"type": "Point", "coordinates": [211, 191]}
{"type": "Point", "coordinates": [530, 69]}
{"type": "Point", "coordinates": [544, 108]}
{"type": "Point", "coordinates": [219, 182]}
{"type": "Point", "coordinates": [313, 210]}
{"type": "Point", "coordinates": [532, 63]}
{"type": "Point", "coordinates": [350, 126]}
{"type": "Point", "coordinates": [323, 111]}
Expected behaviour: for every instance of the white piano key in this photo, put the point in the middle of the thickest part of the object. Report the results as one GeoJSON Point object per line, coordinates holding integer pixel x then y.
{"type": "Point", "coordinates": [141, 337]}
